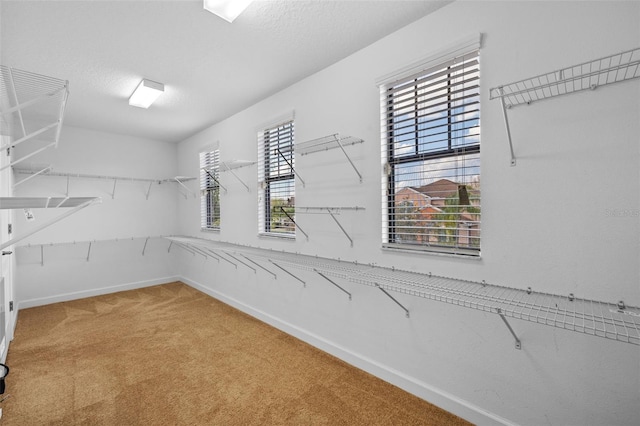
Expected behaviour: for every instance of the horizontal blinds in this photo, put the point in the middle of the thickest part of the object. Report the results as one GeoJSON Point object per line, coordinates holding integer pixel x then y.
{"type": "Point", "coordinates": [431, 133]}
{"type": "Point", "coordinates": [277, 161]}
{"type": "Point", "coordinates": [210, 189]}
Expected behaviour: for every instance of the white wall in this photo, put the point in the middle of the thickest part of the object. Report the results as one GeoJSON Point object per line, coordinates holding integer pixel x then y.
{"type": "Point", "coordinates": [112, 265]}
{"type": "Point", "coordinates": [546, 222]}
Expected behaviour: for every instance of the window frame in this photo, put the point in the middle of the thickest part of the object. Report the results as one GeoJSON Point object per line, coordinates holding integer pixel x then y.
{"type": "Point", "coordinates": [276, 169]}
{"type": "Point", "coordinates": [210, 211]}
{"type": "Point", "coordinates": [420, 157]}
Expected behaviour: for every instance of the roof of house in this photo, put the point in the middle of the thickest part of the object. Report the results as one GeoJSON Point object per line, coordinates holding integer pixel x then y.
{"type": "Point", "coordinates": [441, 188]}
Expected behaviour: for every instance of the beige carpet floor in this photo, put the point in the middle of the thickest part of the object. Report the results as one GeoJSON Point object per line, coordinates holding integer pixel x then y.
{"type": "Point", "coordinates": [171, 355]}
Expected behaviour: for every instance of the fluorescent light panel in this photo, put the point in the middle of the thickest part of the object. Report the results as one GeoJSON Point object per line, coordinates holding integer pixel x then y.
{"type": "Point", "coordinates": [146, 93]}
{"type": "Point", "coordinates": [226, 9]}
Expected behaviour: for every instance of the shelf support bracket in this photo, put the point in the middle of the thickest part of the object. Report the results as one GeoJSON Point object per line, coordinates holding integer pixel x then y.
{"type": "Point", "coordinates": [275, 277]}
{"type": "Point", "coordinates": [332, 282]}
{"type": "Point", "coordinates": [337, 136]}
{"type": "Point", "coordinates": [215, 180]}
{"type": "Point", "coordinates": [30, 135]}
{"type": "Point", "coordinates": [170, 244]}
{"type": "Point", "coordinates": [145, 245]}
{"type": "Point", "coordinates": [506, 124]}
{"type": "Point", "coordinates": [217, 259]}
{"type": "Point", "coordinates": [224, 258]}
{"type": "Point", "coordinates": [291, 166]}
{"type": "Point", "coordinates": [200, 251]}
{"type": "Point", "coordinates": [15, 98]}
{"type": "Point", "coordinates": [113, 193]}
{"type": "Point", "coordinates": [339, 225]}
{"type": "Point", "coordinates": [148, 190]}
{"type": "Point", "coordinates": [41, 255]}
{"type": "Point", "coordinates": [186, 248]}
{"type": "Point", "coordinates": [294, 222]}
{"type": "Point", "coordinates": [406, 311]}
{"type": "Point", "coordinates": [518, 343]}
{"type": "Point", "coordinates": [46, 224]}
{"type": "Point", "coordinates": [184, 186]}
{"type": "Point", "coordinates": [240, 261]}
{"type": "Point", "coordinates": [236, 176]}
{"type": "Point", "coordinates": [45, 170]}
{"type": "Point", "coordinates": [304, 284]}
{"type": "Point", "coordinates": [37, 151]}
{"type": "Point", "coordinates": [89, 251]}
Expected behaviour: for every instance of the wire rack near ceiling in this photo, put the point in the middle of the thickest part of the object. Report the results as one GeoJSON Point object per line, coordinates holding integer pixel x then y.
{"type": "Point", "coordinates": [32, 108]}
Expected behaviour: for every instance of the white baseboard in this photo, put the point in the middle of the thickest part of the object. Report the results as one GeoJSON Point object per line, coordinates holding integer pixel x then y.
{"type": "Point", "coordinates": [23, 304]}
{"type": "Point", "coordinates": [436, 396]}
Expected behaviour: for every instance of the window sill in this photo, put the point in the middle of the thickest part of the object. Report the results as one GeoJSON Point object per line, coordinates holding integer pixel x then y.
{"type": "Point", "coordinates": [216, 230]}
{"type": "Point", "coordinates": [467, 254]}
{"type": "Point", "coordinates": [289, 237]}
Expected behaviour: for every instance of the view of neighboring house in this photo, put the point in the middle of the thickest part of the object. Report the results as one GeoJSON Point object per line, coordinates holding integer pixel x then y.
{"type": "Point", "coordinates": [440, 213]}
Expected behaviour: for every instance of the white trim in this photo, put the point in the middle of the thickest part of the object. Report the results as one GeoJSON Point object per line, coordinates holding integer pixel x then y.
{"type": "Point", "coordinates": [209, 147]}
{"type": "Point", "coordinates": [276, 121]}
{"type": "Point", "coordinates": [438, 397]}
{"type": "Point", "coordinates": [65, 297]}
{"type": "Point", "coordinates": [450, 51]}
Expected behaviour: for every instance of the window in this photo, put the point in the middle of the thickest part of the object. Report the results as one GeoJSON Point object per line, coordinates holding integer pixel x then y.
{"type": "Point", "coordinates": [210, 190]}
{"type": "Point", "coordinates": [431, 148]}
{"type": "Point", "coordinates": [277, 180]}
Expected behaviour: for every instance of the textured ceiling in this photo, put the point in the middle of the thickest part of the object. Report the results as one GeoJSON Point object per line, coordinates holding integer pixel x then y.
{"type": "Point", "coordinates": [211, 69]}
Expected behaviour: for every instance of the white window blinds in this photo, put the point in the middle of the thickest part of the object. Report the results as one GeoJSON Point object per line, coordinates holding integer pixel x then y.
{"type": "Point", "coordinates": [431, 148]}
{"type": "Point", "coordinates": [277, 180]}
{"type": "Point", "coordinates": [210, 189]}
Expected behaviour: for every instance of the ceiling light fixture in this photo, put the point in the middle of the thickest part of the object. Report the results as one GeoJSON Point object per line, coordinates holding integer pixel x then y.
{"type": "Point", "coordinates": [226, 9]}
{"type": "Point", "coordinates": [146, 93]}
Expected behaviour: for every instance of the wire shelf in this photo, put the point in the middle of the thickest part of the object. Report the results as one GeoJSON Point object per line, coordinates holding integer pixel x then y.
{"type": "Point", "coordinates": [589, 75]}
{"type": "Point", "coordinates": [32, 108]}
{"type": "Point", "coordinates": [613, 321]}
{"type": "Point", "coordinates": [326, 143]}
{"type": "Point", "coordinates": [74, 203]}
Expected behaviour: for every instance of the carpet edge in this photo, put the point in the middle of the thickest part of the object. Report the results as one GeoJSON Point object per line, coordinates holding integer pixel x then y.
{"type": "Point", "coordinates": [436, 396]}
{"type": "Point", "coordinates": [65, 297]}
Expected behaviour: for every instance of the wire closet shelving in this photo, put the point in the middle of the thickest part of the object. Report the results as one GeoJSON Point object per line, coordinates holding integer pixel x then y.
{"type": "Point", "coordinates": [588, 75]}
{"type": "Point", "coordinates": [327, 143]}
{"type": "Point", "coordinates": [32, 109]}
{"type": "Point", "coordinates": [15, 203]}
{"type": "Point", "coordinates": [89, 244]}
{"type": "Point", "coordinates": [614, 321]}
{"type": "Point", "coordinates": [47, 170]}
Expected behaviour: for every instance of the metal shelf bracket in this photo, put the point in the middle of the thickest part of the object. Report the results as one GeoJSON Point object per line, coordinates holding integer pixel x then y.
{"type": "Point", "coordinates": [332, 282]}
{"type": "Point", "coordinates": [518, 344]}
{"type": "Point", "coordinates": [304, 284]}
{"type": "Point", "coordinates": [406, 311]}
{"type": "Point", "coordinates": [589, 75]}
{"type": "Point", "coordinates": [294, 222]}
{"type": "Point", "coordinates": [291, 166]}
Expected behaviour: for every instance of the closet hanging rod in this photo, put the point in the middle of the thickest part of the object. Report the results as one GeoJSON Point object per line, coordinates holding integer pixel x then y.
{"type": "Point", "coordinates": [92, 176]}
{"type": "Point", "coordinates": [107, 240]}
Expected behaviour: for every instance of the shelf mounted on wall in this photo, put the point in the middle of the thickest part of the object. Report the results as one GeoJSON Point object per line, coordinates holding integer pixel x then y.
{"type": "Point", "coordinates": [612, 321]}
{"type": "Point", "coordinates": [329, 142]}
{"type": "Point", "coordinates": [47, 170]}
{"type": "Point", "coordinates": [32, 108]}
{"type": "Point", "coordinates": [586, 76]}
{"type": "Point", "coordinates": [331, 211]}
{"type": "Point", "coordinates": [75, 203]}
{"type": "Point", "coordinates": [231, 165]}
